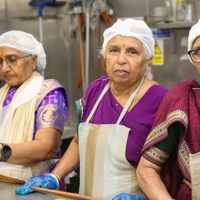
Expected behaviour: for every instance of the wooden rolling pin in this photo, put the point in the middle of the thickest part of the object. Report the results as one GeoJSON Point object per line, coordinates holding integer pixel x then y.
{"type": "Point", "coordinates": [64, 194]}
{"type": "Point", "coordinates": [6, 178]}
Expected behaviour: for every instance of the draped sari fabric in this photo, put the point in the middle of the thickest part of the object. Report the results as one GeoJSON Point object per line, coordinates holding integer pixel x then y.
{"type": "Point", "coordinates": [181, 104]}
{"type": "Point", "coordinates": [50, 111]}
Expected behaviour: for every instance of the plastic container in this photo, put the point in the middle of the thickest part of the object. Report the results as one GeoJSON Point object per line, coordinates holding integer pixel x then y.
{"type": "Point", "coordinates": [190, 13]}
{"type": "Point", "coordinates": [168, 11]}
{"type": "Point", "coordinates": [181, 10]}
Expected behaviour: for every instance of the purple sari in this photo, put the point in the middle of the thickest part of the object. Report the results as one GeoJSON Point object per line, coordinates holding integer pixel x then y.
{"type": "Point", "coordinates": [139, 119]}
{"type": "Point", "coordinates": [181, 104]}
{"type": "Point", "coordinates": [51, 111]}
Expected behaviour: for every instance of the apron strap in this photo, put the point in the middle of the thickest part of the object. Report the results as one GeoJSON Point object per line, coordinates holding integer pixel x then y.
{"type": "Point", "coordinates": [99, 99]}
{"type": "Point", "coordinates": [128, 103]}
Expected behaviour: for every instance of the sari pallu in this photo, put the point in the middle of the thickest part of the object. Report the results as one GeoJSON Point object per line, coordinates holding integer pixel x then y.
{"type": "Point", "coordinates": [181, 104]}
{"type": "Point", "coordinates": [50, 120]}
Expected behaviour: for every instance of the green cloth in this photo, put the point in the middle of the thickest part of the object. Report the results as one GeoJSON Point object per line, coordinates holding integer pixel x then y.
{"type": "Point", "coordinates": [79, 115]}
{"type": "Point", "coordinates": [171, 142]}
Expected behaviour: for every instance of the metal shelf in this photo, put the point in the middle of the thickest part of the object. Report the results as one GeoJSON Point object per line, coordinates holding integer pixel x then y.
{"type": "Point", "coordinates": [173, 25]}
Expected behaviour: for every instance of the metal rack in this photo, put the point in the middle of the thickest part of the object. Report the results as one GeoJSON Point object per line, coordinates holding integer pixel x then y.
{"type": "Point", "coordinates": [174, 26]}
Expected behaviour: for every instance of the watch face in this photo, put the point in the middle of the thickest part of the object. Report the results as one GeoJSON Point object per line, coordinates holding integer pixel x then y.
{"type": "Point", "coordinates": [6, 151]}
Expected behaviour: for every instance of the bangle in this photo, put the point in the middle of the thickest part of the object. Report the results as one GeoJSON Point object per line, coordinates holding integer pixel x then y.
{"type": "Point", "coordinates": [56, 175]}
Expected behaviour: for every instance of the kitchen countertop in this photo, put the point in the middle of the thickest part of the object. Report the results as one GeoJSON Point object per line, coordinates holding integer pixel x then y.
{"type": "Point", "coordinates": [7, 191]}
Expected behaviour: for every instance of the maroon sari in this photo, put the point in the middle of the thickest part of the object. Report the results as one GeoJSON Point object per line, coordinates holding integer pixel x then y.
{"type": "Point", "coordinates": [181, 104]}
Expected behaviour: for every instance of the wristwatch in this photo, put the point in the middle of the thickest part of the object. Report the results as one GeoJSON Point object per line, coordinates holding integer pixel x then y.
{"type": "Point", "coordinates": [6, 152]}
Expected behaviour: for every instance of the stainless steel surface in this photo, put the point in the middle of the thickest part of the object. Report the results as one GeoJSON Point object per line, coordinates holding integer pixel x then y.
{"type": "Point", "coordinates": [7, 192]}
{"type": "Point", "coordinates": [173, 25]}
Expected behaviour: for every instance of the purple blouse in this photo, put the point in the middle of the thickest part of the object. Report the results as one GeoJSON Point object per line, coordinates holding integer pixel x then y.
{"type": "Point", "coordinates": [139, 119]}
{"type": "Point", "coordinates": [54, 99]}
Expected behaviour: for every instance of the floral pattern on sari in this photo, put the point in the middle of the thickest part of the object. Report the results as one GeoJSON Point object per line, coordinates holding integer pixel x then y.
{"type": "Point", "coordinates": [51, 116]}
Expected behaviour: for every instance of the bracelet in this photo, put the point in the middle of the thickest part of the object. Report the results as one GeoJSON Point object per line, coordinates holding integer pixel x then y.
{"type": "Point", "coordinates": [56, 175]}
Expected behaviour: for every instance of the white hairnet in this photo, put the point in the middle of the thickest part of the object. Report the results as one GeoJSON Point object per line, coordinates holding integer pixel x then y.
{"type": "Point", "coordinates": [133, 28]}
{"type": "Point", "coordinates": [193, 34]}
{"type": "Point", "coordinates": [25, 43]}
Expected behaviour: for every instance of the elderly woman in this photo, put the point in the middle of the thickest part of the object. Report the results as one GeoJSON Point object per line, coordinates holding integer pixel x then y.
{"type": "Point", "coordinates": [115, 116]}
{"type": "Point", "coordinates": [170, 163]}
{"type": "Point", "coordinates": [32, 110]}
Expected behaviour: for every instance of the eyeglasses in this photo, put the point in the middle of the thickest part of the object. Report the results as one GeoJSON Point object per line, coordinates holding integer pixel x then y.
{"type": "Point", "coordinates": [195, 55]}
{"type": "Point", "coordinates": [11, 60]}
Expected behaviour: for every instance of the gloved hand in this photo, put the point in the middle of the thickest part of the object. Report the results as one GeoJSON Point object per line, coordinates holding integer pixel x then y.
{"type": "Point", "coordinates": [47, 181]}
{"type": "Point", "coordinates": [124, 196]}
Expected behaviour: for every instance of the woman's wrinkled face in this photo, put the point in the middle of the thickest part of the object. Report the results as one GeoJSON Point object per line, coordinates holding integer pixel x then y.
{"type": "Point", "coordinates": [16, 74]}
{"type": "Point", "coordinates": [125, 60]}
{"type": "Point", "coordinates": [196, 45]}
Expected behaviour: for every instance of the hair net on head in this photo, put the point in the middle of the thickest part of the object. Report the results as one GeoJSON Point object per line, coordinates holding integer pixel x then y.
{"type": "Point", "coordinates": [26, 43]}
{"type": "Point", "coordinates": [133, 28]}
{"type": "Point", "coordinates": [193, 34]}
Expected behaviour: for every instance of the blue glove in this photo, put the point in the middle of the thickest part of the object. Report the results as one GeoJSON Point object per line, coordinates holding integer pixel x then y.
{"type": "Point", "coordinates": [47, 181]}
{"type": "Point", "coordinates": [124, 196]}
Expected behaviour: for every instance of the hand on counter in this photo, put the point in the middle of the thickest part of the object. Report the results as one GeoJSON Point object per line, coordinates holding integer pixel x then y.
{"type": "Point", "coordinates": [47, 181]}
{"type": "Point", "coordinates": [124, 196]}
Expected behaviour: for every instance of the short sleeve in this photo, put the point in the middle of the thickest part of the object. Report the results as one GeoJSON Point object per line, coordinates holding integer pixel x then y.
{"type": "Point", "coordinates": [159, 153]}
{"type": "Point", "coordinates": [52, 112]}
{"type": "Point", "coordinates": [171, 142]}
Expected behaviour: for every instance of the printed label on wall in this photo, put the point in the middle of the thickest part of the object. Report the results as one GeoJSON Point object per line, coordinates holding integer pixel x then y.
{"type": "Point", "coordinates": [158, 58]}
{"type": "Point", "coordinates": [161, 33]}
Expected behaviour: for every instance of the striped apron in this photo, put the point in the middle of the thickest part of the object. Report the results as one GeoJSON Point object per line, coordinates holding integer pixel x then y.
{"type": "Point", "coordinates": [104, 170]}
{"type": "Point", "coordinates": [195, 175]}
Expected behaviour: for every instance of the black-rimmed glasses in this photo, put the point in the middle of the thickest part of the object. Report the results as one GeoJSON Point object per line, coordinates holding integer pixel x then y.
{"type": "Point", "coordinates": [11, 60]}
{"type": "Point", "coordinates": [195, 55]}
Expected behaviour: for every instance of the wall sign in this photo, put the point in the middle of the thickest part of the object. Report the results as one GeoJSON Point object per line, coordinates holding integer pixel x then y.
{"type": "Point", "coordinates": [158, 58]}
{"type": "Point", "coordinates": [159, 36]}
{"type": "Point", "coordinates": [161, 33]}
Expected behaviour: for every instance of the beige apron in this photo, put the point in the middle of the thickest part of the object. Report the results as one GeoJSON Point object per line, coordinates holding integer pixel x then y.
{"type": "Point", "coordinates": [104, 170]}
{"type": "Point", "coordinates": [195, 175]}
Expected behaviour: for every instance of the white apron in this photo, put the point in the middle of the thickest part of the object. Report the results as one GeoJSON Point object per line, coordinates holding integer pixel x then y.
{"type": "Point", "coordinates": [104, 170]}
{"type": "Point", "coordinates": [195, 175]}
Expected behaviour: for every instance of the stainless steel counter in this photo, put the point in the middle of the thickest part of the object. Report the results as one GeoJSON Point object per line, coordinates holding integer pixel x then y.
{"type": "Point", "coordinates": [7, 191]}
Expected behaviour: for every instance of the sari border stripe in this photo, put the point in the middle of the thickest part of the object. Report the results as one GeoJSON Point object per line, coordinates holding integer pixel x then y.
{"type": "Point", "coordinates": [160, 131]}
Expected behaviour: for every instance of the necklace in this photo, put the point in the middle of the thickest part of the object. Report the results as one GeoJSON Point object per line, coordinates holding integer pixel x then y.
{"type": "Point", "coordinates": [133, 103]}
